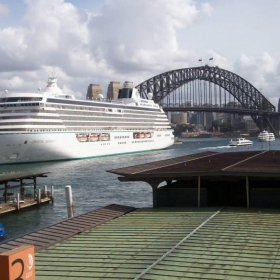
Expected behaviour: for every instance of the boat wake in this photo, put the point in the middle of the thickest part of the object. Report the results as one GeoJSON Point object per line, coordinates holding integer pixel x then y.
{"type": "Point", "coordinates": [216, 148]}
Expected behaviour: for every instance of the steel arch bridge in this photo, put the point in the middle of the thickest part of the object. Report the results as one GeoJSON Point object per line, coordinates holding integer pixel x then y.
{"type": "Point", "coordinates": [207, 88]}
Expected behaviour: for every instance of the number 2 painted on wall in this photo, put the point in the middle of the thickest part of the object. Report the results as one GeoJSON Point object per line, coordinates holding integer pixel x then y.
{"type": "Point", "coordinates": [22, 268]}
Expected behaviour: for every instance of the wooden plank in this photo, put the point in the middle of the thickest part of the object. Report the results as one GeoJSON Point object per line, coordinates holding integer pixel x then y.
{"type": "Point", "coordinates": [53, 234]}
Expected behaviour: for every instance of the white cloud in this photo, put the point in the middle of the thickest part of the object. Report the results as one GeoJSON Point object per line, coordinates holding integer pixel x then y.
{"type": "Point", "coordinates": [262, 73]}
{"type": "Point", "coordinates": [135, 40]}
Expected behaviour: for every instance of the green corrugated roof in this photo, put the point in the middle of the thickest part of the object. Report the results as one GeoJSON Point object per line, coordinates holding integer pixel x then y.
{"type": "Point", "coordinates": [178, 243]}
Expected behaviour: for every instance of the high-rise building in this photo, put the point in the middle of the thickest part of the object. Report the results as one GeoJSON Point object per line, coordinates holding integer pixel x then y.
{"type": "Point", "coordinates": [179, 117]}
{"type": "Point", "coordinates": [93, 91]}
{"type": "Point", "coordinates": [113, 90]}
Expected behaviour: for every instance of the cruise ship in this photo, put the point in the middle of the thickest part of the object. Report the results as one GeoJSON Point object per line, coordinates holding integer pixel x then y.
{"type": "Point", "coordinates": [49, 125]}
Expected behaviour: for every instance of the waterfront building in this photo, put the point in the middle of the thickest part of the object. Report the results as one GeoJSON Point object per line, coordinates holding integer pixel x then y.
{"type": "Point", "coordinates": [93, 91]}
{"type": "Point", "coordinates": [179, 117]}
{"type": "Point", "coordinates": [113, 90]}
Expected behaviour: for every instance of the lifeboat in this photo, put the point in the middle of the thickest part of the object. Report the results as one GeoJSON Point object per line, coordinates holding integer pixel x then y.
{"type": "Point", "coordinates": [137, 135]}
{"type": "Point", "coordinates": [82, 137]}
{"type": "Point", "coordinates": [105, 137]}
{"type": "Point", "coordinates": [148, 135]}
{"type": "Point", "coordinates": [142, 135]}
{"type": "Point", "coordinates": [93, 137]}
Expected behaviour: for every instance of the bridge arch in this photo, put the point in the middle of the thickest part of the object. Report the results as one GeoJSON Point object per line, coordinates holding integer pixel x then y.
{"type": "Point", "coordinates": [245, 93]}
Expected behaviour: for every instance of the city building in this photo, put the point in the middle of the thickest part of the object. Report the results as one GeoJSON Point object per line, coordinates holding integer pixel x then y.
{"type": "Point", "coordinates": [113, 90]}
{"type": "Point", "coordinates": [179, 117]}
{"type": "Point", "coordinates": [93, 91]}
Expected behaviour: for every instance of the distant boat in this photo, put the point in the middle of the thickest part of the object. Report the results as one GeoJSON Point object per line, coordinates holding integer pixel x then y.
{"type": "Point", "coordinates": [266, 136]}
{"type": "Point", "coordinates": [240, 142]}
{"type": "Point", "coordinates": [2, 231]}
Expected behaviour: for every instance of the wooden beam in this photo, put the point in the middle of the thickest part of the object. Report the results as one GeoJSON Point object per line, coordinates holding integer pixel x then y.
{"type": "Point", "coordinates": [198, 193]}
{"type": "Point", "coordinates": [247, 192]}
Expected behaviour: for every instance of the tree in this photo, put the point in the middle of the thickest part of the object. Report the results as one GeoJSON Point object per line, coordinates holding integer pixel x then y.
{"type": "Point", "coordinates": [225, 127]}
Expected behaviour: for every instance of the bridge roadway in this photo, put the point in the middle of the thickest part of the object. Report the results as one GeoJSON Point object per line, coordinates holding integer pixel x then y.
{"type": "Point", "coordinates": [242, 111]}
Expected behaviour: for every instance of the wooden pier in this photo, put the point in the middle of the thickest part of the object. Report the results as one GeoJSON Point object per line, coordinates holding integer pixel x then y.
{"type": "Point", "coordinates": [11, 207]}
{"type": "Point", "coordinates": [21, 191]}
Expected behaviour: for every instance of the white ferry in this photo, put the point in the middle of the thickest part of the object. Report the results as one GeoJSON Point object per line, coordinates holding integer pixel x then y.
{"type": "Point", "coordinates": [265, 136]}
{"type": "Point", "coordinates": [50, 125]}
{"type": "Point", "coordinates": [237, 142]}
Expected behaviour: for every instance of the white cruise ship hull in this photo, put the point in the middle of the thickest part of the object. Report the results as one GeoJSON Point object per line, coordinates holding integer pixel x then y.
{"type": "Point", "coordinates": [38, 147]}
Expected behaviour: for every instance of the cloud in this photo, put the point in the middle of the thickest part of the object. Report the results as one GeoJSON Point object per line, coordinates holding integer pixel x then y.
{"type": "Point", "coordinates": [145, 37]}
{"type": "Point", "coordinates": [261, 72]}
{"type": "Point", "coordinates": [125, 40]}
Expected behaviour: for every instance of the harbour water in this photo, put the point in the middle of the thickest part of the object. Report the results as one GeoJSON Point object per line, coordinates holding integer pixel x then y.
{"type": "Point", "coordinates": [93, 187]}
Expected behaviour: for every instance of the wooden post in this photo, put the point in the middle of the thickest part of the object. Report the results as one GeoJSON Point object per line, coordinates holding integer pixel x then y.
{"type": "Point", "coordinates": [69, 201]}
{"type": "Point", "coordinates": [18, 263]}
{"type": "Point", "coordinates": [17, 203]}
{"type": "Point", "coordinates": [35, 186]}
{"type": "Point", "coordinates": [154, 184]}
{"type": "Point", "coordinates": [247, 192]}
{"type": "Point", "coordinates": [46, 190]}
{"type": "Point", "coordinates": [21, 189]}
{"type": "Point", "coordinates": [6, 191]}
{"type": "Point", "coordinates": [52, 194]}
{"type": "Point", "coordinates": [39, 197]}
{"type": "Point", "coordinates": [154, 188]}
{"type": "Point", "coordinates": [198, 192]}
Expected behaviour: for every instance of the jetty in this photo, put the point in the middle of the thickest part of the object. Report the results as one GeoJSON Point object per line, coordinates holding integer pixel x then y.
{"type": "Point", "coordinates": [20, 190]}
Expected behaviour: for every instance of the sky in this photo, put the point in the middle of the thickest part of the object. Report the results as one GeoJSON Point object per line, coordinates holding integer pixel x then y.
{"type": "Point", "coordinates": [99, 41]}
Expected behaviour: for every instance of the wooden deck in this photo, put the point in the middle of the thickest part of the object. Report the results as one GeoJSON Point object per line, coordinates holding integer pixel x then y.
{"type": "Point", "coordinates": [9, 207]}
{"type": "Point", "coordinates": [56, 233]}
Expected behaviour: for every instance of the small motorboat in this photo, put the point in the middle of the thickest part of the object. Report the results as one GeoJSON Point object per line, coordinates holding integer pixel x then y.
{"type": "Point", "coordinates": [240, 142]}
{"type": "Point", "coordinates": [2, 231]}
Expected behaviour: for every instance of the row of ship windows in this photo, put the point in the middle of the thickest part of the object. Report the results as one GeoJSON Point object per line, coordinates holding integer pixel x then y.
{"type": "Point", "coordinates": [121, 137]}
{"type": "Point", "coordinates": [109, 110]}
{"type": "Point", "coordinates": [97, 109]}
{"type": "Point", "coordinates": [92, 114]}
{"type": "Point", "coordinates": [121, 143]}
{"type": "Point", "coordinates": [142, 141]}
{"type": "Point", "coordinates": [71, 112]}
{"type": "Point", "coordinates": [80, 124]}
{"type": "Point", "coordinates": [19, 105]}
{"type": "Point", "coordinates": [146, 120]}
{"type": "Point", "coordinates": [73, 129]}
{"type": "Point", "coordinates": [19, 111]}
{"type": "Point", "coordinates": [30, 117]}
